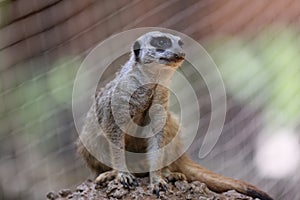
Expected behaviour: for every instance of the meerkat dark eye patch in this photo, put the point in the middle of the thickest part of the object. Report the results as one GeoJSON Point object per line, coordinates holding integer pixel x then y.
{"type": "Point", "coordinates": [136, 50]}
{"type": "Point", "coordinates": [161, 42]}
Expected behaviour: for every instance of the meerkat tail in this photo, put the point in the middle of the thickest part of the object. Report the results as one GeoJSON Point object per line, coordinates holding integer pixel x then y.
{"type": "Point", "coordinates": [215, 182]}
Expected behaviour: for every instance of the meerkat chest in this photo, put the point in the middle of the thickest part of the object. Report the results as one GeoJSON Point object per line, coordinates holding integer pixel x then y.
{"type": "Point", "coordinates": [141, 100]}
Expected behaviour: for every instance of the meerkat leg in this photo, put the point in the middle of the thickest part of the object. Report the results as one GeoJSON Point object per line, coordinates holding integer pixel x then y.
{"type": "Point", "coordinates": [156, 163]}
{"type": "Point", "coordinates": [118, 162]}
{"type": "Point", "coordinates": [157, 182]}
{"type": "Point", "coordinates": [175, 149]}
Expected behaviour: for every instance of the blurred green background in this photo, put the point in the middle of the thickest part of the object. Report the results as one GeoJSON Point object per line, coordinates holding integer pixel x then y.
{"type": "Point", "coordinates": [255, 44]}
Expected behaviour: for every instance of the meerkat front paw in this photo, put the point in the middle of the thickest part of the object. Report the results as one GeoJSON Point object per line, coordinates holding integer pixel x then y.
{"type": "Point", "coordinates": [158, 184]}
{"type": "Point", "coordinates": [126, 179]}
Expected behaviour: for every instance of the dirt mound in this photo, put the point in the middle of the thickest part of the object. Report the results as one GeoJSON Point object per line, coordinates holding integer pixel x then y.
{"type": "Point", "coordinates": [115, 190]}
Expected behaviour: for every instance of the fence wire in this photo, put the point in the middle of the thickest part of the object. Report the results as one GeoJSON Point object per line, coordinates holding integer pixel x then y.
{"type": "Point", "coordinates": [255, 44]}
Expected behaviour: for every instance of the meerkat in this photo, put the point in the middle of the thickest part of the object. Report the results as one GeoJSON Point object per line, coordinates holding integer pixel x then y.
{"type": "Point", "coordinates": [154, 58]}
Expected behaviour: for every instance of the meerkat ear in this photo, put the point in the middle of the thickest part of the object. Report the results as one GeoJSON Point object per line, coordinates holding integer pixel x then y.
{"type": "Point", "coordinates": [136, 50]}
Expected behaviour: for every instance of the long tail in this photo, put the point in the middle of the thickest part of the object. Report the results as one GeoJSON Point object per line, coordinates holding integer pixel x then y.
{"type": "Point", "coordinates": [214, 181]}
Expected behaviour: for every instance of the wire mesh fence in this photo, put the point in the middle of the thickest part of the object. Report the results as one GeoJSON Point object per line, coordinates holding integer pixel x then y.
{"type": "Point", "coordinates": [255, 44]}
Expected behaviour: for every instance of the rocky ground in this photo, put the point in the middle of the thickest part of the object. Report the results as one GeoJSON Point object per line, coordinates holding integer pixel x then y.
{"type": "Point", "coordinates": [115, 190]}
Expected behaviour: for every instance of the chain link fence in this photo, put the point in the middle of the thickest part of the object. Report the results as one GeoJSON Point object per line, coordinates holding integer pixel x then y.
{"type": "Point", "coordinates": [255, 44]}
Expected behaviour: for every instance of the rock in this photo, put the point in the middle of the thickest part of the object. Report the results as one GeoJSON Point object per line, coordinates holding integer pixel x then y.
{"type": "Point", "coordinates": [115, 190]}
{"type": "Point", "coordinates": [52, 195]}
{"type": "Point", "coordinates": [64, 192]}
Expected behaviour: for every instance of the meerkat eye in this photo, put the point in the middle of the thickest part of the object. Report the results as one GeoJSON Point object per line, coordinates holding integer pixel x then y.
{"type": "Point", "coordinates": [161, 42]}
{"type": "Point", "coordinates": [180, 43]}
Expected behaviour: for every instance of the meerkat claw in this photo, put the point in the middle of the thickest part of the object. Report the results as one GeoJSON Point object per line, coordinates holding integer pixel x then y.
{"type": "Point", "coordinates": [127, 179]}
{"type": "Point", "coordinates": [158, 186]}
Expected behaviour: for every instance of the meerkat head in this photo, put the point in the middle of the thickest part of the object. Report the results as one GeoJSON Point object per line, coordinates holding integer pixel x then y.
{"type": "Point", "coordinates": [157, 47]}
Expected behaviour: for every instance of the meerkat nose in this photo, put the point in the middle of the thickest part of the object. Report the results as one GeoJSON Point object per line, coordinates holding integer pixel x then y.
{"type": "Point", "coordinates": [179, 55]}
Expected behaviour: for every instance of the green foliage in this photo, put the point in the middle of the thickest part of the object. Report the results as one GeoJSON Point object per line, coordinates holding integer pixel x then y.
{"type": "Point", "coordinates": [39, 100]}
{"type": "Point", "coordinates": [264, 71]}
{"type": "Point", "coordinates": [282, 58]}
{"type": "Point", "coordinates": [241, 70]}
{"type": "Point", "coordinates": [60, 80]}
{"type": "Point", "coordinates": [4, 11]}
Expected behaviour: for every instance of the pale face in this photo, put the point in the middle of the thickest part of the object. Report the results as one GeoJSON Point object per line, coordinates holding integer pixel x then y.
{"type": "Point", "coordinates": [159, 48]}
